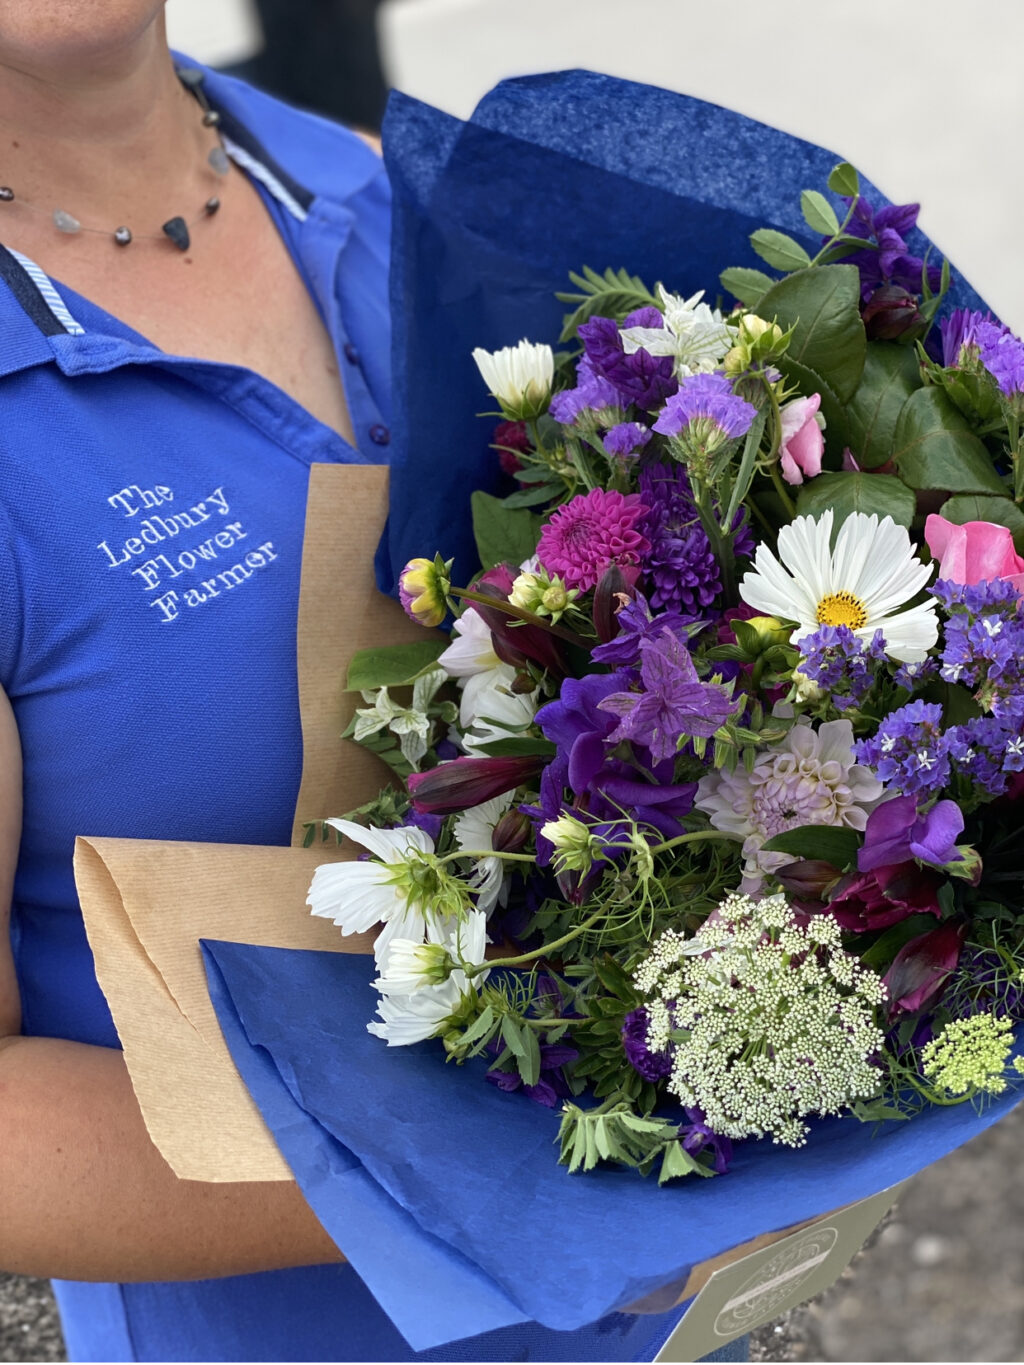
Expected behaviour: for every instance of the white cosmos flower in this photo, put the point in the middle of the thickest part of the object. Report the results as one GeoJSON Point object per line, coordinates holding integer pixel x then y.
{"type": "Point", "coordinates": [472, 648]}
{"type": "Point", "coordinates": [693, 333]}
{"type": "Point", "coordinates": [491, 709]}
{"type": "Point", "coordinates": [474, 829]}
{"type": "Point", "coordinates": [518, 376]}
{"type": "Point", "coordinates": [860, 584]}
{"type": "Point", "coordinates": [359, 895]}
{"type": "Point", "coordinates": [414, 1003]}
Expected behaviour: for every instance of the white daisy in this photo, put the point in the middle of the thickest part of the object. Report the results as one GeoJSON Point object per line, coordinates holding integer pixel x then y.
{"type": "Point", "coordinates": [519, 376]}
{"type": "Point", "coordinates": [419, 991]}
{"type": "Point", "coordinates": [358, 896]}
{"type": "Point", "coordinates": [474, 829]}
{"type": "Point", "coordinates": [693, 333]}
{"type": "Point", "coordinates": [871, 572]}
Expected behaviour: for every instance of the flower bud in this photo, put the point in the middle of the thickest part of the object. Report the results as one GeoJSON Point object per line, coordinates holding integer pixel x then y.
{"type": "Point", "coordinates": [573, 843]}
{"type": "Point", "coordinates": [423, 588]}
{"type": "Point", "coordinates": [511, 833]}
{"type": "Point", "coordinates": [465, 782]}
{"type": "Point", "coordinates": [891, 313]}
{"type": "Point", "coordinates": [519, 377]}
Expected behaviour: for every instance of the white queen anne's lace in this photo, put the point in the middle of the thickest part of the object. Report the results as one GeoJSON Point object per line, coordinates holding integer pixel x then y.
{"type": "Point", "coordinates": [771, 1024]}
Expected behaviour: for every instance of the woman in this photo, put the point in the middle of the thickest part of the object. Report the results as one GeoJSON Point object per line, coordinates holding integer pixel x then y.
{"type": "Point", "coordinates": [192, 310]}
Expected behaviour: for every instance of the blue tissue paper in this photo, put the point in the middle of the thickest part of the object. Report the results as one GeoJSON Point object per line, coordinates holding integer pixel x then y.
{"type": "Point", "coordinates": [551, 173]}
{"type": "Point", "coordinates": [445, 1193]}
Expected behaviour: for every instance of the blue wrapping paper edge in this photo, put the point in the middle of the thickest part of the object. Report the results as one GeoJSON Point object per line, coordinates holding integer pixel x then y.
{"type": "Point", "coordinates": [550, 173]}
{"type": "Point", "coordinates": [411, 1163]}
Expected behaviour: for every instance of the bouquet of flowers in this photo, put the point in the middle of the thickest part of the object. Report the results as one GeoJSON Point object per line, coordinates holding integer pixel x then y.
{"type": "Point", "coordinates": [723, 756]}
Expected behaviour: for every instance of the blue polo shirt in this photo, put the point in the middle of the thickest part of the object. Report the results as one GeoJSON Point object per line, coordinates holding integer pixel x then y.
{"type": "Point", "coordinates": [151, 515]}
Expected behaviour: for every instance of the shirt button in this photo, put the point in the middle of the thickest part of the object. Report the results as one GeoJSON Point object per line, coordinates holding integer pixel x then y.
{"type": "Point", "coordinates": [351, 354]}
{"type": "Point", "coordinates": [379, 435]}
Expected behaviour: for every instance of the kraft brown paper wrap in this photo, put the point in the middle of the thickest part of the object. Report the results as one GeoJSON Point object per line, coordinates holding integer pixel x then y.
{"type": "Point", "coordinates": [147, 903]}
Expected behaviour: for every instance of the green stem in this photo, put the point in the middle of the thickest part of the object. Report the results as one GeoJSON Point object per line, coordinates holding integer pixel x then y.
{"type": "Point", "coordinates": [487, 853]}
{"type": "Point", "coordinates": [543, 951]}
{"type": "Point", "coordinates": [780, 488]}
{"type": "Point", "coordinates": [521, 614]}
{"type": "Point", "coordinates": [694, 837]}
{"type": "Point", "coordinates": [827, 246]}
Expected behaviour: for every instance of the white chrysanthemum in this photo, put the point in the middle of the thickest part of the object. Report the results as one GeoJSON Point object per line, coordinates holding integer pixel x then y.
{"type": "Point", "coordinates": [808, 778]}
{"type": "Point", "coordinates": [359, 895]}
{"type": "Point", "coordinates": [694, 334]}
{"type": "Point", "coordinates": [474, 829]}
{"type": "Point", "coordinates": [871, 572]}
{"type": "Point", "coordinates": [773, 1024]}
{"type": "Point", "coordinates": [490, 710]}
{"type": "Point", "coordinates": [419, 991]}
{"type": "Point", "coordinates": [472, 648]}
{"type": "Point", "coordinates": [518, 376]}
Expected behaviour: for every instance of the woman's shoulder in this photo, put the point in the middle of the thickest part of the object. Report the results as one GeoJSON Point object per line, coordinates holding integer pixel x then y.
{"type": "Point", "coordinates": [323, 158]}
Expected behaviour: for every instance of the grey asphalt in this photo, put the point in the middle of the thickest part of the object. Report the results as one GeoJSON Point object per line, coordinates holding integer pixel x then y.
{"type": "Point", "coordinates": [942, 1281]}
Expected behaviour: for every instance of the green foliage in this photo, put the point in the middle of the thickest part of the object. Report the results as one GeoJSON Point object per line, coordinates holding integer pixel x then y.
{"type": "Point", "coordinates": [975, 395]}
{"type": "Point", "coordinates": [891, 374]}
{"type": "Point", "coordinates": [749, 286]}
{"type": "Point", "coordinates": [503, 536]}
{"type": "Point", "coordinates": [833, 844]}
{"type": "Point", "coordinates": [392, 665]}
{"type": "Point", "coordinates": [613, 1132]}
{"type": "Point", "coordinates": [934, 447]}
{"type": "Point", "coordinates": [846, 493]}
{"type": "Point", "coordinates": [977, 507]}
{"type": "Point", "coordinates": [779, 250]}
{"type": "Point", "coordinates": [611, 295]}
{"type": "Point", "coordinates": [518, 746]}
{"type": "Point", "coordinates": [843, 179]}
{"type": "Point", "coordinates": [819, 215]}
{"type": "Point", "coordinates": [822, 305]}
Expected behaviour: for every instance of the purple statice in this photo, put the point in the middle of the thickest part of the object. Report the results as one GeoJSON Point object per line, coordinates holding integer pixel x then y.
{"type": "Point", "coordinates": [983, 640]}
{"type": "Point", "coordinates": [911, 676]}
{"type": "Point", "coordinates": [988, 750]}
{"type": "Point", "coordinates": [639, 378]}
{"type": "Point", "coordinates": [592, 391]}
{"type": "Point", "coordinates": [680, 565]}
{"type": "Point", "coordinates": [888, 261]}
{"type": "Point", "coordinates": [672, 703]}
{"type": "Point", "coordinates": [627, 438]}
{"type": "Point", "coordinates": [698, 1138]}
{"type": "Point", "coordinates": [968, 335]}
{"type": "Point", "coordinates": [652, 1066]}
{"type": "Point", "coordinates": [908, 753]}
{"type": "Point", "coordinates": [637, 623]}
{"type": "Point", "coordinates": [707, 410]}
{"type": "Point", "coordinates": [841, 664]}
{"type": "Point", "coordinates": [551, 1086]}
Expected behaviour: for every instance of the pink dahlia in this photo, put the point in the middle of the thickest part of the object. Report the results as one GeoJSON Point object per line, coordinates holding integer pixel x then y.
{"type": "Point", "coordinates": [588, 534]}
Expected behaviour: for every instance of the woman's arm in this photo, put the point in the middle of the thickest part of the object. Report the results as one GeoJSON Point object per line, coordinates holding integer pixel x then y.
{"type": "Point", "coordinates": [84, 1194]}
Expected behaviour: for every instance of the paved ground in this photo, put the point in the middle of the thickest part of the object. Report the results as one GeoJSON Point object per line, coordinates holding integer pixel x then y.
{"type": "Point", "coordinates": [943, 1281]}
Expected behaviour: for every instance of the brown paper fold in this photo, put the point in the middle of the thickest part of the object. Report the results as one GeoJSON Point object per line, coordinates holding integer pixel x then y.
{"type": "Point", "coordinates": [147, 903]}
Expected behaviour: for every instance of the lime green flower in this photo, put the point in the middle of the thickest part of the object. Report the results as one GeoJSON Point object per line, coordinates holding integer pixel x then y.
{"type": "Point", "coordinates": [969, 1056]}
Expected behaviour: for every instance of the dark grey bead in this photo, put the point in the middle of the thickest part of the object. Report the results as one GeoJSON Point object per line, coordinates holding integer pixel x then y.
{"type": "Point", "coordinates": [212, 204]}
{"type": "Point", "coordinates": [122, 236]}
{"type": "Point", "coordinates": [218, 159]}
{"type": "Point", "coordinates": [380, 435]}
{"type": "Point", "coordinates": [177, 230]}
{"type": "Point", "coordinates": [6, 194]}
{"type": "Point", "coordinates": [211, 118]}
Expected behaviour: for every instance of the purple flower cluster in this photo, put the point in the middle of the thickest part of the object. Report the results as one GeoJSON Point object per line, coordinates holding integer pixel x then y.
{"type": "Point", "coordinates": [652, 1066]}
{"type": "Point", "coordinates": [988, 749]}
{"type": "Point", "coordinates": [627, 438]}
{"type": "Point", "coordinates": [591, 391]}
{"type": "Point", "coordinates": [639, 378]}
{"type": "Point", "coordinates": [680, 563]}
{"type": "Point", "coordinates": [706, 406]}
{"type": "Point", "coordinates": [983, 640]}
{"type": "Point", "coordinates": [889, 260]}
{"type": "Point", "coordinates": [907, 752]}
{"type": "Point", "coordinates": [838, 661]}
{"type": "Point", "coordinates": [981, 336]}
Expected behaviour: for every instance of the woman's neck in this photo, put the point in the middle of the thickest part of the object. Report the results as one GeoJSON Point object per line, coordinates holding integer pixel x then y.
{"type": "Point", "coordinates": [112, 140]}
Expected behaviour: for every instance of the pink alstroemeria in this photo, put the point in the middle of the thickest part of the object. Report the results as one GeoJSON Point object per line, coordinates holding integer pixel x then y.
{"type": "Point", "coordinates": [974, 552]}
{"type": "Point", "coordinates": [921, 967]}
{"type": "Point", "coordinates": [802, 444]}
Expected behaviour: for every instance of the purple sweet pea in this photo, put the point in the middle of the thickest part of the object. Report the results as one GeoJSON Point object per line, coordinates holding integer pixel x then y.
{"type": "Point", "coordinates": [895, 833]}
{"type": "Point", "coordinates": [639, 378]}
{"type": "Point", "coordinates": [673, 702]}
{"type": "Point", "coordinates": [551, 1087]}
{"type": "Point", "coordinates": [697, 1137]}
{"type": "Point", "coordinates": [892, 262]}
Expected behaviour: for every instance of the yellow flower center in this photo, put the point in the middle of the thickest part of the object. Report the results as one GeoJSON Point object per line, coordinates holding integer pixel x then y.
{"type": "Point", "coordinates": [842, 609]}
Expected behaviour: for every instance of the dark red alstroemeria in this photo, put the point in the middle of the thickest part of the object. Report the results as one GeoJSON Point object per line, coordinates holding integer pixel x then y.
{"type": "Point", "coordinates": [466, 782]}
{"type": "Point", "coordinates": [884, 896]}
{"type": "Point", "coordinates": [515, 642]}
{"type": "Point", "coordinates": [616, 584]}
{"type": "Point", "coordinates": [922, 966]}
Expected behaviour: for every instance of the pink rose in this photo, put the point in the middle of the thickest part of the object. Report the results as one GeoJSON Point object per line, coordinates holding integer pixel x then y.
{"type": "Point", "coordinates": [975, 551]}
{"type": "Point", "coordinates": [802, 443]}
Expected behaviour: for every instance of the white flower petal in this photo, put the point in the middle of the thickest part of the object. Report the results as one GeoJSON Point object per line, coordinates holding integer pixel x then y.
{"type": "Point", "coordinates": [390, 845]}
{"type": "Point", "coordinates": [355, 896]}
